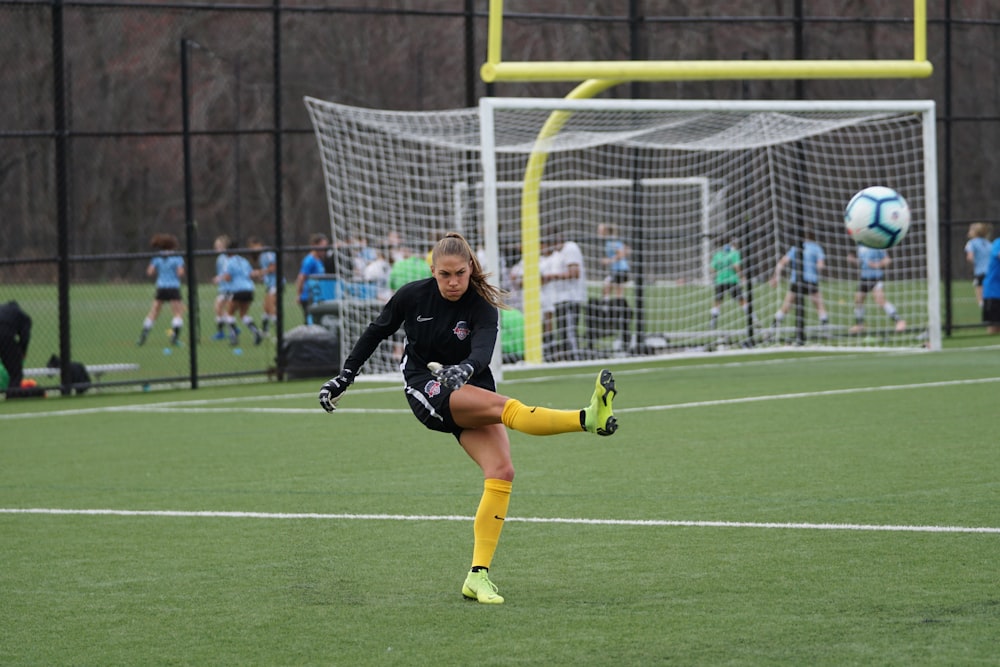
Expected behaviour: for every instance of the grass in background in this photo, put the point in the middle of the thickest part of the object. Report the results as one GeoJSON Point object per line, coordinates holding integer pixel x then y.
{"type": "Point", "coordinates": [105, 324]}
{"type": "Point", "coordinates": [723, 457]}
{"type": "Point", "coordinates": [106, 320]}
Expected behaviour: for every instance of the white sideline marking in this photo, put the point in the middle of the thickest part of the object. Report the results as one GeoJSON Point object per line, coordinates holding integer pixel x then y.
{"type": "Point", "coordinates": [199, 405]}
{"type": "Point", "coordinates": [810, 394]}
{"type": "Point", "coordinates": [454, 517]}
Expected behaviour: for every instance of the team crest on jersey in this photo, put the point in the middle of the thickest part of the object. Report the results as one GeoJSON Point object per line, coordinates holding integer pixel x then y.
{"type": "Point", "coordinates": [462, 330]}
{"type": "Point", "coordinates": [432, 388]}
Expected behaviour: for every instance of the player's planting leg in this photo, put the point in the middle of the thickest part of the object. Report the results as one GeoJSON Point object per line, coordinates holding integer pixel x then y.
{"type": "Point", "coordinates": [486, 532]}
{"type": "Point", "coordinates": [478, 586]}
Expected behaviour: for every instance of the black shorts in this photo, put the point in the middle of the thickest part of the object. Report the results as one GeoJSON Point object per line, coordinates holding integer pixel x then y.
{"type": "Point", "coordinates": [732, 289]}
{"type": "Point", "coordinates": [977, 281]}
{"type": "Point", "coordinates": [243, 297]}
{"type": "Point", "coordinates": [866, 285]}
{"type": "Point", "coordinates": [617, 278]}
{"type": "Point", "coordinates": [168, 294]}
{"type": "Point", "coordinates": [991, 311]}
{"type": "Point", "coordinates": [429, 400]}
{"type": "Point", "coordinates": [805, 289]}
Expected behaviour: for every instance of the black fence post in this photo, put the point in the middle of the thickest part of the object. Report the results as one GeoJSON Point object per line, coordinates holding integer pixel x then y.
{"type": "Point", "coordinates": [279, 239]}
{"type": "Point", "coordinates": [189, 223]}
{"type": "Point", "coordinates": [62, 193]}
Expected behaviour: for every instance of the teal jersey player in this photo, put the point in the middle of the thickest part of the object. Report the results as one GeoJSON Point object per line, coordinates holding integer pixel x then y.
{"type": "Point", "coordinates": [727, 266]}
{"type": "Point", "coordinates": [726, 263]}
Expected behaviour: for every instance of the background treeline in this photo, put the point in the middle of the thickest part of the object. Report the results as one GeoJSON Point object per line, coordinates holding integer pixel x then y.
{"type": "Point", "coordinates": [120, 121]}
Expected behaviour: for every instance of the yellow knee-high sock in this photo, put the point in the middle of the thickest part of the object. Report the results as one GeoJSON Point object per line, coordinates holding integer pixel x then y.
{"type": "Point", "coordinates": [489, 521]}
{"type": "Point", "coordinates": [539, 421]}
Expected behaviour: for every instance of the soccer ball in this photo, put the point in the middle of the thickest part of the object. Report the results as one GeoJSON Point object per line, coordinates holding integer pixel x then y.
{"type": "Point", "coordinates": [877, 217]}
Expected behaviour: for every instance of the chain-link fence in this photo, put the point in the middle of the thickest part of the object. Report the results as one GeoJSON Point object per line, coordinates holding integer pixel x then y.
{"type": "Point", "coordinates": [127, 119]}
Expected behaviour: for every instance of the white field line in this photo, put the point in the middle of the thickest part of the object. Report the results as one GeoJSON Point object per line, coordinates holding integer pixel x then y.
{"type": "Point", "coordinates": [204, 406]}
{"type": "Point", "coordinates": [189, 405]}
{"type": "Point", "coordinates": [812, 394]}
{"type": "Point", "coordinates": [451, 517]}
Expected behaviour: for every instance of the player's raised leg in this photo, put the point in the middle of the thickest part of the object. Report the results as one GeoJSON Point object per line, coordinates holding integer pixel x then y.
{"type": "Point", "coordinates": [599, 416]}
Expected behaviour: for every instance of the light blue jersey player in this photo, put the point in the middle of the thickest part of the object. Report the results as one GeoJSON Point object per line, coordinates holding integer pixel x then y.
{"type": "Point", "coordinates": [267, 273]}
{"type": "Point", "coordinates": [239, 275]}
{"type": "Point", "coordinates": [872, 263]}
{"type": "Point", "coordinates": [615, 259]}
{"type": "Point", "coordinates": [815, 258]}
{"type": "Point", "coordinates": [267, 263]}
{"type": "Point", "coordinates": [977, 252]}
{"type": "Point", "coordinates": [808, 284]}
{"type": "Point", "coordinates": [991, 291]}
{"type": "Point", "coordinates": [168, 268]}
{"type": "Point", "coordinates": [221, 245]}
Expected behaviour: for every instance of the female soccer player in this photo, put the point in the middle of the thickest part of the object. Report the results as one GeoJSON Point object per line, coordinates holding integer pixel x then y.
{"type": "Point", "coordinates": [267, 273]}
{"type": "Point", "coordinates": [450, 333]}
{"type": "Point", "coordinates": [168, 268]}
{"type": "Point", "coordinates": [872, 263]}
{"type": "Point", "coordinates": [977, 252]}
{"type": "Point", "coordinates": [221, 245]}
{"type": "Point", "coordinates": [238, 275]}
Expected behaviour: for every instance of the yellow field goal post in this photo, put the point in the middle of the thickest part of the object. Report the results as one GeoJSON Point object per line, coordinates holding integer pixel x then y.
{"type": "Point", "coordinates": [597, 76]}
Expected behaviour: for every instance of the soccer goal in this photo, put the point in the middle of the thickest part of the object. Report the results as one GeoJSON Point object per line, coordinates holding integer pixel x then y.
{"type": "Point", "coordinates": [671, 182]}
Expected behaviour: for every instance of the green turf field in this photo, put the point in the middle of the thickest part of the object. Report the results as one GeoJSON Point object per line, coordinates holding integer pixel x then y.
{"type": "Point", "coordinates": [751, 510]}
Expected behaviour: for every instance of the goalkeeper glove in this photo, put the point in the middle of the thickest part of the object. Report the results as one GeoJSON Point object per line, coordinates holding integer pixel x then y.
{"type": "Point", "coordinates": [331, 391]}
{"type": "Point", "coordinates": [455, 376]}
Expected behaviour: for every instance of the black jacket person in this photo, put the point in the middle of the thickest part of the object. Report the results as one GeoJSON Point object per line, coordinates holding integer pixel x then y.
{"type": "Point", "coordinates": [15, 334]}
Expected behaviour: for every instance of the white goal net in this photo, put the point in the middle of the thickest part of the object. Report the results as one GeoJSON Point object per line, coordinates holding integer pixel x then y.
{"type": "Point", "coordinates": [649, 200]}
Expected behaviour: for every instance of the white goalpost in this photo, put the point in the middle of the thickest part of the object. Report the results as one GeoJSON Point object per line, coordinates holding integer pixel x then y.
{"type": "Point", "coordinates": [674, 181]}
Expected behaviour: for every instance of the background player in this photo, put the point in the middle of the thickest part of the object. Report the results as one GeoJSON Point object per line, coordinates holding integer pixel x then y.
{"type": "Point", "coordinates": [238, 275]}
{"type": "Point", "coordinates": [221, 245]}
{"type": "Point", "coordinates": [267, 273]}
{"type": "Point", "coordinates": [805, 282]}
{"type": "Point", "coordinates": [312, 265]}
{"type": "Point", "coordinates": [872, 263]}
{"type": "Point", "coordinates": [615, 259]}
{"type": "Point", "coordinates": [977, 252]}
{"type": "Point", "coordinates": [727, 266]}
{"type": "Point", "coordinates": [168, 268]}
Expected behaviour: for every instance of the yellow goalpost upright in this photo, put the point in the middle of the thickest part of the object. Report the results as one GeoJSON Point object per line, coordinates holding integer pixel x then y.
{"type": "Point", "coordinates": [598, 76]}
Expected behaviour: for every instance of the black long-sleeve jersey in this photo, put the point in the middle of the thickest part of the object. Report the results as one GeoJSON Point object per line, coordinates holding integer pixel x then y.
{"type": "Point", "coordinates": [449, 332]}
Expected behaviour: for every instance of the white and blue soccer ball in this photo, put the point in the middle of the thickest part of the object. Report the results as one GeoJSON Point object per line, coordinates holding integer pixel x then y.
{"type": "Point", "coordinates": [877, 217]}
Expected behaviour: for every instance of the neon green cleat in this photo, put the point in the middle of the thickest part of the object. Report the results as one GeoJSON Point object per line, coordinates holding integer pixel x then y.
{"type": "Point", "coordinates": [599, 417]}
{"type": "Point", "coordinates": [478, 586]}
